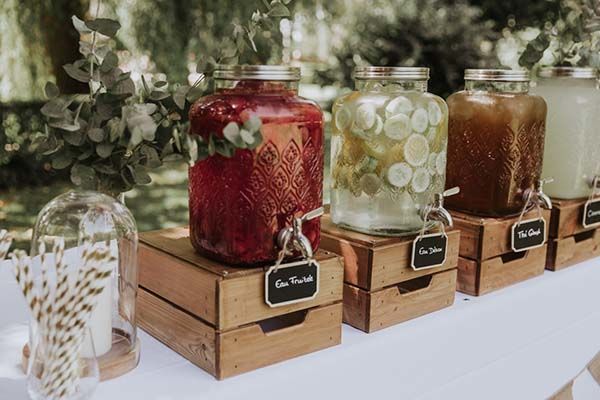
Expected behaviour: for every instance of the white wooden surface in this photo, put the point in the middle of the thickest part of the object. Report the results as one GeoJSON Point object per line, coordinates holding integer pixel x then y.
{"type": "Point", "coordinates": [523, 342]}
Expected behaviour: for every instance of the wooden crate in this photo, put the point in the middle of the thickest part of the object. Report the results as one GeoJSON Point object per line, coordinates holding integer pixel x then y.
{"type": "Point", "coordinates": [486, 259]}
{"type": "Point", "coordinates": [370, 311]}
{"type": "Point", "coordinates": [381, 289]}
{"type": "Point", "coordinates": [376, 262]}
{"type": "Point", "coordinates": [215, 315]}
{"type": "Point", "coordinates": [570, 242]}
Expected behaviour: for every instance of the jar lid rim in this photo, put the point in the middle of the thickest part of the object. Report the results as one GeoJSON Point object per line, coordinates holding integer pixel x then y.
{"type": "Point", "coordinates": [568, 72]}
{"type": "Point", "coordinates": [380, 72]}
{"type": "Point", "coordinates": [504, 75]}
{"type": "Point", "coordinates": [257, 72]}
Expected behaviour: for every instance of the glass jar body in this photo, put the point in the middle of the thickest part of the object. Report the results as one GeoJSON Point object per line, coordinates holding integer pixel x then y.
{"type": "Point", "coordinates": [495, 148]}
{"type": "Point", "coordinates": [572, 140]}
{"type": "Point", "coordinates": [388, 156]}
{"type": "Point", "coordinates": [239, 204]}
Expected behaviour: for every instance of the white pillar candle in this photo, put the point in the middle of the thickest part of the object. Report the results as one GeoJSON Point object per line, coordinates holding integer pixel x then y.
{"type": "Point", "coordinates": [100, 325]}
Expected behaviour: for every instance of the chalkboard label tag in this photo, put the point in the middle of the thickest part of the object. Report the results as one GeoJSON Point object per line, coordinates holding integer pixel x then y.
{"type": "Point", "coordinates": [429, 251]}
{"type": "Point", "coordinates": [292, 283]}
{"type": "Point", "coordinates": [591, 213]}
{"type": "Point", "coordinates": [528, 234]}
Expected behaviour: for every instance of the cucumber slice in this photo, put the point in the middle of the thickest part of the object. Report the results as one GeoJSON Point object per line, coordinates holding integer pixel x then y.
{"type": "Point", "coordinates": [399, 174]}
{"type": "Point", "coordinates": [416, 150]}
{"type": "Point", "coordinates": [419, 120]}
{"type": "Point", "coordinates": [370, 184]}
{"type": "Point", "coordinates": [343, 118]}
{"type": "Point", "coordinates": [420, 180]}
{"type": "Point", "coordinates": [376, 128]}
{"type": "Point", "coordinates": [375, 149]}
{"type": "Point", "coordinates": [435, 113]}
{"type": "Point", "coordinates": [398, 105]}
{"type": "Point", "coordinates": [397, 127]}
{"type": "Point", "coordinates": [440, 163]}
{"type": "Point", "coordinates": [365, 116]}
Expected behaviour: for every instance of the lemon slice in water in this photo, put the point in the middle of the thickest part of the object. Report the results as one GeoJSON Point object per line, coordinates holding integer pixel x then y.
{"type": "Point", "coordinates": [343, 118]}
{"type": "Point", "coordinates": [397, 127]}
{"type": "Point", "coordinates": [420, 180]}
{"type": "Point", "coordinates": [419, 120]}
{"type": "Point", "coordinates": [365, 116]}
{"type": "Point", "coordinates": [435, 113]}
{"type": "Point", "coordinates": [398, 105]}
{"type": "Point", "coordinates": [399, 174]}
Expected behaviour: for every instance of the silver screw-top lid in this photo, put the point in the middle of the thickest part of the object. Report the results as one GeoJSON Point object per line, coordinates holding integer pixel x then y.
{"type": "Point", "coordinates": [501, 75]}
{"type": "Point", "coordinates": [568, 72]}
{"type": "Point", "coordinates": [400, 73]}
{"type": "Point", "coordinates": [257, 72]}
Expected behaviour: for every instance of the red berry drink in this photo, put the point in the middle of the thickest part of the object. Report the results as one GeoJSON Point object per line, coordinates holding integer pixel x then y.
{"type": "Point", "coordinates": [238, 205]}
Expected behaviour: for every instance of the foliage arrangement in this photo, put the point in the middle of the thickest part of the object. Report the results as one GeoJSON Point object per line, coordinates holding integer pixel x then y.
{"type": "Point", "coordinates": [445, 36]}
{"type": "Point", "coordinates": [573, 39]}
{"type": "Point", "coordinates": [111, 137]}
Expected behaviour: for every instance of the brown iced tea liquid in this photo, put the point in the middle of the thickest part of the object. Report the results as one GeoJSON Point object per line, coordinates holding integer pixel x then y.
{"type": "Point", "coordinates": [495, 150]}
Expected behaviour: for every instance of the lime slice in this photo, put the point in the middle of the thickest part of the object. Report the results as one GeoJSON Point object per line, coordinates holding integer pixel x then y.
{"type": "Point", "coordinates": [420, 180]}
{"type": "Point", "coordinates": [431, 163]}
{"type": "Point", "coordinates": [440, 163]}
{"type": "Point", "coordinates": [370, 184]}
{"type": "Point", "coordinates": [399, 105]}
{"type": "Point", "coordinates": [374, 149]}
{"type": "Point", "coordinates": [416, 150]}
{"type": "Point", "coordinates": [399, 174]}
{"type": "Point", "coordinates": [419, 120]}
{"type": "Point", "coordinates": [377, 127]}
{"type": "Point", "coordinates": [397, 127]}
{"type": "Point", "coordinates": [365, 116]}
{"type": "Point", "coordinates": [435, 113]}
{"type": "Point", "coordinates": [343, 118]}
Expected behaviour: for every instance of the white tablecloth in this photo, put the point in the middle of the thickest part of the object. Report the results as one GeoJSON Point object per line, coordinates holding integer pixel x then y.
{"type": "Point", "coordinates": [523, 342]}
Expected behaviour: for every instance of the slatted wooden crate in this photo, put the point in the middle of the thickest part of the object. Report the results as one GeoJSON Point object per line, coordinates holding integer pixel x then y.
{"type": "Point", "coordinates": [380, 287]}
{"type": "Point", "coordinates": [486, 259]}
{"type": "Point", "coordinates": [215, 315]}
{"type": "Point", "coordinates": [570, 242]}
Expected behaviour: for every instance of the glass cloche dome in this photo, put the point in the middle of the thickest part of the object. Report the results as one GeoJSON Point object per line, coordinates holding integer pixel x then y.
{"type": "Point", "coordinates": [77, 216]}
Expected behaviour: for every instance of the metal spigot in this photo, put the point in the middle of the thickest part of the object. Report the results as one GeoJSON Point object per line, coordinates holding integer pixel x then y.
{"type": "Point", "coordinates": [537, 196]}
{"type": "Point", "coordinates": [593, 181]}
{"type": "Point", "coordinates": [437, 212]}
{"type": "Point", "coordinates": [293, 235]}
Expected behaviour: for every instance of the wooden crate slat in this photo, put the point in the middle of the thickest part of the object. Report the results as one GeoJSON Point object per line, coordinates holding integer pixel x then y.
{"type": "Point", "coordinates": [468, 276]}
{"type": "Point", "coordinates": [374, 310]}
{"type": "Point", "coordinates": [241, 300]}
{"type": "Point", "coordinates": [224, 300]}
{"type": "Point", "coordinates": [248, 348]}
{"type": "Point", "coordinates": [486, 237]}
{"type": "Point", "coordinates": [563, 253]}
{"type": "Point", "coordinates": [182, 332]}
{"type": "Point", "coordinates": [182, 283]}
{"type": "Point", "coordinates": [567, 218]}
{"type": "Point", "coordinates": [375, 263]}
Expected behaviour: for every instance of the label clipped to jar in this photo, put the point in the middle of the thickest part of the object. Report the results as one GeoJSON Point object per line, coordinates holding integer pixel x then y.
{"type": "Point", "coordinates": [591, 213]}
{"type": "Point", "coordinates": [291, 283]}
{"type": "Point", "coordinates": [528, 234]}
{"type": "Point", "coordinates": [429, 251]}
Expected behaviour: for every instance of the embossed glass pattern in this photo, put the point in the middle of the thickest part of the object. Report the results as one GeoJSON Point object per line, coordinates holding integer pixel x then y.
{"type": "Point", "coordinates": [238, 205]}
{"type": "Point", "coordinates": [495, 146]}
{"type": "Point", "coordinates": [572, 143]}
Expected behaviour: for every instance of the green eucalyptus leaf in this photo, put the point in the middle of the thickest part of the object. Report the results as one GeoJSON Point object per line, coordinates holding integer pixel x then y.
{"type": "Point", "coordinates": [51, 90]}
{"type": "Point", "coordinates": [65, 125]}
{"type": "Point", "coordinates": [82, 175]}
{"type": "Point", "coordinates": [104, 150]}
{"type": "Point", "coordinates": [106, 169]}
{"type": "Point", "coordinates": [253, 123]}
{"type": "Point", "coordinates": [158, 95]}
{"type": "Point", "coordinates": [278, 10]}
{"type": "Point", "coordinates": [105, 26]}
{"type": "Point", "coordinates": [151, 156]}
{"type": "Point", "coordinates": [85, 154]}
{"type": "Point", "coordinates": [180, 95]}
{"type": "Point", "coordinates": [224, 148]}
{"type": "Point", "coordinates": [76, 73]}
{"type": "Point", "coordinates": [96, 134]}
{"type": "Point", "coordinates": [211, 145]}
{"type": "Point", "coordinates": [231, 132]}
{"type": "Point", "coordinates": [110, 61]}
{"type": "Point", "coordinates": [160, 84]}
{"type": "Point", "coordinates": [74, 138]}
{"type": "Point", "coordinates": [80, 25]}
{"type": "Point", "coordinates": [194, 94]}
{"type": "Point", "coordinates": [141, 175]}
{"type": "Point", "coordinates": [247, 137]}
{"type": "Point", "coordinates": [116, 128]}
{"type": "Point", "coordinates": [85, 48]}
{"type": "Point", "coordinates": [56, 107]}
{"type": "Point", "coordinates": [61, 161]}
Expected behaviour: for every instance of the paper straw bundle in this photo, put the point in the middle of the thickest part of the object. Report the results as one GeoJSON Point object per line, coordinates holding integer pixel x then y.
{"type": "Point", "coordinates": [62, 309]}
{"type": "Point", "coordinates": [5, 241]}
